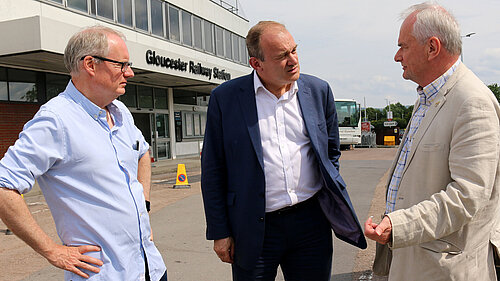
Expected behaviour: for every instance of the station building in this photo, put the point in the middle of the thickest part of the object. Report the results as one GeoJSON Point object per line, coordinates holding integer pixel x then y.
{"type": "Point", "coordinates": [180, 50]}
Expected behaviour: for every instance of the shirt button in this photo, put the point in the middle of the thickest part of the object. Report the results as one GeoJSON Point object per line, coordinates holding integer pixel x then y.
{"type": "Point", "coordinates": [261, 219]}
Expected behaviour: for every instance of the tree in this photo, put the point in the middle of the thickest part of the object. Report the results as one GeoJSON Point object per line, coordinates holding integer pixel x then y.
{"type": "Point", "coordinates": [398, 111]}
{"type": "Point", "coordinates": [496, 90]}
{"type": "Point", "coordinates": [373, 114]}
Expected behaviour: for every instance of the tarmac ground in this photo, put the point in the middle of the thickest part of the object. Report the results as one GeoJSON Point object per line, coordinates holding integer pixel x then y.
{"type": "Point", "coordinates": [179, 226]}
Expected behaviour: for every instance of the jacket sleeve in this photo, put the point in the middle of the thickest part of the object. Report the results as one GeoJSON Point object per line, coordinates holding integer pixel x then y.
{"type": "Point", "coordinates": [332, 125]}
{"type": "Point", "coordinates": [214, 174]}
{"type": "Point", "coordinates": [473, 164]}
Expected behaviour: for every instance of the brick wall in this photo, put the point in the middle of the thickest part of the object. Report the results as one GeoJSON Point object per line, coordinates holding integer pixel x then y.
{"type": "Point", "coordinates": [13, 116]}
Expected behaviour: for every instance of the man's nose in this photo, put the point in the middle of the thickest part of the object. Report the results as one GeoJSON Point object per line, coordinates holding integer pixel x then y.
{"type": "Point", "coordinates": [293, 59]}
{"type": "Point", "coordinates": [397, 56]}
{"type": "Point", "coordinates": [129, 73]}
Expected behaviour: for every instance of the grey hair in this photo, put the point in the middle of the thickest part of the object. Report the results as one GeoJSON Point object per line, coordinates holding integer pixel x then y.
{"type": "Point", "coordinates": [434, 20]}
{"type": "Point", "coordinates": [90, 41]}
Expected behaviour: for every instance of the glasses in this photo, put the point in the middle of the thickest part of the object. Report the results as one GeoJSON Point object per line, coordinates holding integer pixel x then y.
{"type": "Point", "coordinates": [125, 65]}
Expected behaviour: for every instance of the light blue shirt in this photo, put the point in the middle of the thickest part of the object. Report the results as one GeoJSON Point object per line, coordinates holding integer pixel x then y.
{"type": "Point", "coordinates": [88, 175]}
{"type": "Point", "coordinates": [426, 97]}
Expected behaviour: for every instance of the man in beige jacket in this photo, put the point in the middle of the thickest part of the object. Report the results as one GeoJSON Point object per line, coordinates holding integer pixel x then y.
{"type": "Point", "coordinates": [442, 197]}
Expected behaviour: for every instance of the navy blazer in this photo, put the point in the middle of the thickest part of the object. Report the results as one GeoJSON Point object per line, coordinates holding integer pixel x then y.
{"type": "Point", "coordinates": [232, 180]}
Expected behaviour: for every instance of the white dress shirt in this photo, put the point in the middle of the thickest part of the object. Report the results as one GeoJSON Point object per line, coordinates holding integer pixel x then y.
{"type": "Point", "coordinates": [290, 167]}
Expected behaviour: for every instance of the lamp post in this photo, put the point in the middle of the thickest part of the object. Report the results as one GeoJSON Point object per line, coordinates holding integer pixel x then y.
{"type": "Point", "coordinates": [463, 36]}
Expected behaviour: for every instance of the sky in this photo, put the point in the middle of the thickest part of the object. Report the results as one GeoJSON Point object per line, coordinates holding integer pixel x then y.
{"type": "Point", "coordinates": [351, 44]}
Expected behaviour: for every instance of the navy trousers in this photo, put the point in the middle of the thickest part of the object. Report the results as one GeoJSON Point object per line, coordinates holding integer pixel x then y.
{"type": "Point", "coordinates": [299, 239]}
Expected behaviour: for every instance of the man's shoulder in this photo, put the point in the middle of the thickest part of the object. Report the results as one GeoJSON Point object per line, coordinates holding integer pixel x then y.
{"type": "Point", "coordinates": [312, 80]}
{"type": "Point", "coordinates": [468, 85]}
{"type": "Point", "coordinates": [244, 81]}
{"type": "Point", "coordinates": [58, 105]}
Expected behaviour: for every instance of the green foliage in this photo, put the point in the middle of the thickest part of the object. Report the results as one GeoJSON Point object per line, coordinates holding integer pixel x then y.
{"type": "Point", "coordinates": [379, 124]}
{"type": "Point", "coordinates": [400, 114]}
{"type": "Point", "coordinates": [373, 114]}
{"type": "Point", "coordinates": [496, 90]}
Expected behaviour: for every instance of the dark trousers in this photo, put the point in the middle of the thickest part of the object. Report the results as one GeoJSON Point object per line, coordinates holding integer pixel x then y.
{"type": "Point", "coordinates": [299, 240]}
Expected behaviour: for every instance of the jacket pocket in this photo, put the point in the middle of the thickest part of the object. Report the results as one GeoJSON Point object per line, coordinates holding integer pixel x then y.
{"type": "Point", "coordinates": [322, 126]}
{"type": "Point", "coordinates": [432, 147]}
{"type": "Point", "coordinates": [441, 246]}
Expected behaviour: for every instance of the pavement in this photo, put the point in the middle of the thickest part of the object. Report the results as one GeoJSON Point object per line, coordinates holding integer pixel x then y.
{"type": "Point", "coordinates": [179, 225]}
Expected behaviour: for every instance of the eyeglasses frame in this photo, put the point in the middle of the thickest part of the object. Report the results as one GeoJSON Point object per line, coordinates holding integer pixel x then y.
{"type": "Point", "coordinates": [125, 65]}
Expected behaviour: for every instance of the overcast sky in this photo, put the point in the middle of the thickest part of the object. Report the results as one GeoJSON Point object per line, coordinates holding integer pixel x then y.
{"type": "Point", "coordinates": [351, 44]}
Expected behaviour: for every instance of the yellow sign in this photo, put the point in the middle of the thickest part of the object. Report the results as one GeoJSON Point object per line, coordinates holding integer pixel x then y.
{"type": "Point", "coordinates": [389, 140]}
{"type": "Point", "coordinates": [181, 181]}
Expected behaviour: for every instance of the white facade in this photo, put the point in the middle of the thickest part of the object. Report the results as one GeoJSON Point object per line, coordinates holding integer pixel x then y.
{"type": "Point", "coordinates": [35, 33]}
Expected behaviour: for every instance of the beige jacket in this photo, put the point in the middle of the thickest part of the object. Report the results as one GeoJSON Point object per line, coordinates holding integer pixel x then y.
{"type": "Point", "coordinates": [448, 200]}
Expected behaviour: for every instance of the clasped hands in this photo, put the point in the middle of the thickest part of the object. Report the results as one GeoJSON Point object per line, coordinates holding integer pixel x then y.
{"type": "Point", "coordinates": [382, 232]}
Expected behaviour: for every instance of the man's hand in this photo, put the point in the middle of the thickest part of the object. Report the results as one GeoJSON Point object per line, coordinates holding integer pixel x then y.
{"type": "Point", "coordinates": [73, 258]}
{"type": "Point", "coordinates": [224, 248]}
{"type": "Point", "coordinates": [381, 232]}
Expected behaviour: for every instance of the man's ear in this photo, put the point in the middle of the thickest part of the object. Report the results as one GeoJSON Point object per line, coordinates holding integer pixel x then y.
{"type": "Point", "coordinates": [255, 63]}
{"type": "Point", "coordinates": [433, 48]}
{"type": "Point", "coordinates": [88, 65]}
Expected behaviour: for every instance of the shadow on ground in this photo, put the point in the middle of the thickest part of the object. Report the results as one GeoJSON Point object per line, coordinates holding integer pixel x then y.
{"type": "Point", "coordinates": [355, 276]}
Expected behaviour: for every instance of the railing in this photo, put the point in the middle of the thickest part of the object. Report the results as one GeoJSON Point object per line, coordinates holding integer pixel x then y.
{"type": "Point", "coordinates": [232, 7]}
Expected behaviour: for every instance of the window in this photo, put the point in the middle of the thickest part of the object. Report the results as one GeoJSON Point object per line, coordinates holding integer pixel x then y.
{"type": "Point", "coordinates": [141, 14]}
{"type": "Point", "coordinates": [163, 150]}
{"type": "Point", "coordinates": [161, 98]}
{"type": "Point", "coordinates": [4, 93]}
{"type": "Point", "coordinates": [188, 124]}
{"type": "Point", "coordinates": [92, 7]}
{"type": "Point", "coordinates": [219, 41]}
{"type": "Point", "coordinates": [57, 1]}
{"type": "Point", "coordinates": [55, 84]}
{"type": "Point", "coordinates": [193, 124]}
{"type": "Point", "coordinates": [203, 121]}
{"type": "Point", "coordinates": [196, 119]}
{"type": "Point", "coordinates": [105, 8]}
{"type": "Point", "coordinates": [124, 11]}
{"type": "Point", "coordinates": [173, 19]}
{"type": "Point", "coordinates": [78, 4]}
{"type": "Point", "coordinates": [236, 46]}
{"type": "Point", "coordinates": [186, 29]}
{"type": "Point", "coordinates": [227, 44]}
{"type": "Point", "coordinates": [129, 98]}
{"type": "Point", "coordinates": [162, 125]}
{"type": "Point", "coordinates": [243, 51]}
{"type": "Point", "coordinates": [198, 40]}
{"type": "Point", "coordinates": [22, 85]}
{"type": "Point", "coordinates": [208, 32]}
{"type": "Point", "coordinates": [145, 96]}
{"type": "Point", "coordinates": [157, 17]}
{"type": "Point", "coordinates": [184, 97]}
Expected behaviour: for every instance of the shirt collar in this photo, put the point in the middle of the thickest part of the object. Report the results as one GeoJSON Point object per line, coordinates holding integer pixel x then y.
{"type": "Point", "coordinates": [428, 93]}
{"type": "Point", "coordinates": [257, 84]}
{"type": "Point", "coordinates": [91, 108]}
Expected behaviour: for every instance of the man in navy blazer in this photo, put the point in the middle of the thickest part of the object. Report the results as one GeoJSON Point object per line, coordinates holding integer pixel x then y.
{"type": "Point", "coordinates": [271, 186]}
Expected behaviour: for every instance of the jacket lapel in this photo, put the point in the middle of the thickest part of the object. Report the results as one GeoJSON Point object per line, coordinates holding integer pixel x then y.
{"type": "Point", "coordinates": [308, 110]}
{"type": "Point", "coordinates": [438, 102]}
{"type": "Point", "coordinates": [249, 109]}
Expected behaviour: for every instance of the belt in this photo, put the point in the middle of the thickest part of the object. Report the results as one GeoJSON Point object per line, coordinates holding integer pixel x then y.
{"type": "Point", "coordinates": [290, 209]}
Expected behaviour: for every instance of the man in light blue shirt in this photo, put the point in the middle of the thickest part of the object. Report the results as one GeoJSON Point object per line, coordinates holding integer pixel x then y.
{"type": "Point", "coordinates": [92, 165]}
